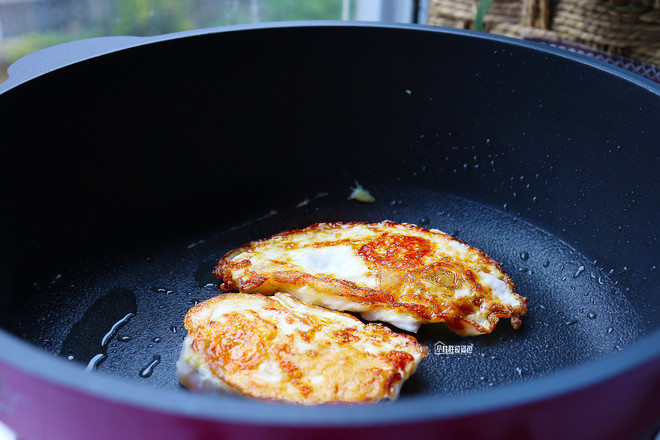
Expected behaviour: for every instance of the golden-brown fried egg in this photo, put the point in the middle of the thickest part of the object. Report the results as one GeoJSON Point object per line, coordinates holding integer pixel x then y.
{"type": "Point", "coordinates": [278, 348]}
{"type": "Point", "coordinates": [391, 272]}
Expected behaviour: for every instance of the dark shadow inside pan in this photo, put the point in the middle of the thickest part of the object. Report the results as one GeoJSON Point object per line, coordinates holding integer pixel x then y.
{"type": "Point", "coordinates": [120, 310]}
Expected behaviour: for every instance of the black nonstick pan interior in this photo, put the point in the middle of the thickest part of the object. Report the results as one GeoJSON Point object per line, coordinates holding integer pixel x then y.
{"type": "Point", "coordinates": [134, 172]}
{"type": "Point", "coordinates": [120, 311]}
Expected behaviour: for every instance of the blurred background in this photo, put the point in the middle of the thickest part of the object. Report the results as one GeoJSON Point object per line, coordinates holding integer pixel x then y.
{"type": "Point", "coordinates": [621, 32]}
{"type": "Point", "coordinates": [29, 25]}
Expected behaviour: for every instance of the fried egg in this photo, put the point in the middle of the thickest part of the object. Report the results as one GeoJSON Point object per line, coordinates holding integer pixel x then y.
{"type": "Point", "coordinates": [278, 348]}
{"type": "Point", "coordinates": [392, 272]}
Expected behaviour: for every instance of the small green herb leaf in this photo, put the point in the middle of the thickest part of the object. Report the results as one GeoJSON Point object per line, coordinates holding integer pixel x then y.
{"type": "Point", "coordinates": [482, 8]}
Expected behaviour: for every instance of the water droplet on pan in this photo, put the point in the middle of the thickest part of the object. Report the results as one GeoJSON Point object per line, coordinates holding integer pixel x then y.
{"type": "Point", "coordinates": [96, 361]}
{"type": "Point", "coordinates": [148, 370]}
{"type": "Point", "coordinates": [56, 280]}
{"type": "Point", "coordinates": [116, 326]}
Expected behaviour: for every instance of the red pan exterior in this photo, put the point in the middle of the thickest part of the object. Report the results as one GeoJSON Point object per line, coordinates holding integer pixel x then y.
{"type": "Point", "coordinates": [39, 409]}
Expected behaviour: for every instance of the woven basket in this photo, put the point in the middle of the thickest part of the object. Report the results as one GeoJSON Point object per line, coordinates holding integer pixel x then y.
{"type": "Point", "coordinates": [628, 28]}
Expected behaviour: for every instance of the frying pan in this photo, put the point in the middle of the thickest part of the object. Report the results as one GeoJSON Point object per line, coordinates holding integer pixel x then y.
{"type": "Point", "coordinates": [130, 165]}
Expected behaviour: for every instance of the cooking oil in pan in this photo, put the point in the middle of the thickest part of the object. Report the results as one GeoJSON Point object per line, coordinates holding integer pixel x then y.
{"type": "Point", "coordinates": [90, 336]}
{"type": "Point", "coordinates": [127, 302]}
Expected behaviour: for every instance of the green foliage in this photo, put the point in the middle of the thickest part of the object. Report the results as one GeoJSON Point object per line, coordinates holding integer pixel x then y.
{"type": "Point", "coordinates": [150, 17]}
{"type": "Point", "coordinates": [280, 10]}
{"type": "Point", "coordinates": [225, 12]}
{"type": "Point", "coordinates": [153, 17]}
{"type": "Point", "coordinates": [482, 9]}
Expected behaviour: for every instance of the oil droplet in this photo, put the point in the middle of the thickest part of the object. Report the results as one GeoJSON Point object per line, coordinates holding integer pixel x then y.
{"type": "Point", "coordinates": [56, 280]}
{"type": "Point", "coordinates": [173, 328]}
{"type": "Point", "coordinates": [156, 340]}
{"type": "Point", "coordinates": [424, 221]}
{"type": "Point", "coordinates": [547, 263]}
{"type": "Point", "coordinates": [70, 357]}
{"type": "Point", "coordinates": [578, 272]}
{"type": "Point", "coordinates": [149, 369]}
{"type": "Point", "coordinates": [572, 322]}
{"type": "Point", "coordinates": [592, 315]}
{"type": "Point", "coordinates": [96, 361]}
{"type": "Point", "coordinates": [524, 255]}
{"type": "Point", "coordinates": [124, 338]}
{"type": "Point", "coordinates": [116, 326]}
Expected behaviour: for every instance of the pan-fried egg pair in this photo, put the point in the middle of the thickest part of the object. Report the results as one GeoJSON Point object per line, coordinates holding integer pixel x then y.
{"type": "Point", "coordinates": [396, 273]}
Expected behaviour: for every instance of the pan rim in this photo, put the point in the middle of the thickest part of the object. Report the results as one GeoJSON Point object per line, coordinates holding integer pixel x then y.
{"type": "Point", "coordinates": [409, 409]}
{"type": "Point", "coordinates": [53, 58]}
{"type": "Point", "coordinates": [33, 361]}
